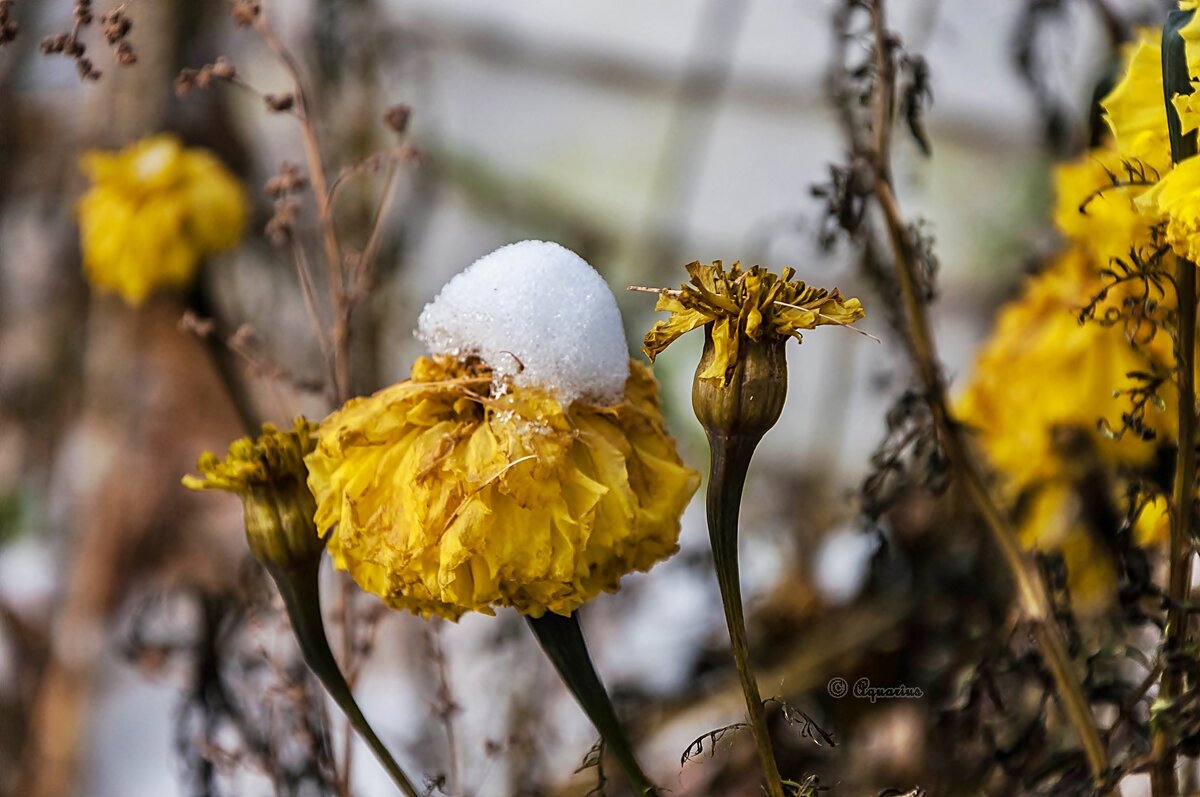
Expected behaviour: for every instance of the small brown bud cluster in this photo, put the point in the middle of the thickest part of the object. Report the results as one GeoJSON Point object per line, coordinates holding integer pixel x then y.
{"type": "Point", "coordinates": [397, 118]}
{"type": "Point", "coordinates": [283, 188]}
{"type": "Point", "coordinates": [115, 25]}
{"type": "Point", "coordinates": [246, 12]}
{"type": "Point", "coordinates": [8, 26]}
{"type": "Point", "coordinates": [202, 78]}
{"type": "Point", "coordinates": [278, 103]}
{"type": "Point", "coordinates": [67, 44]}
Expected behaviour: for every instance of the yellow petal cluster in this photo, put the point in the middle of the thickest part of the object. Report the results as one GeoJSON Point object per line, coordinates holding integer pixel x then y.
{"type": "Point", "coordinates": [268, 473]}
{"type": "Point", "coordinates": [444, 499]}
{"type": "Point", "coordinates": [744, 305]}
{"type": "Point", "coordinates": [1096, 212]}
{"type": "Point", "coordinates": [1176, 200]}
{"type": "Point", "coordinates": [1040, 386]}
{"type": "Point", "coordinates": [1042, 371]}
{"type": "Point", "coordinates": [1136, 113]}
{"type": "Point", "coordinates": [1134, 108]}
{"type": "Point", "coordinates": [153, 210]}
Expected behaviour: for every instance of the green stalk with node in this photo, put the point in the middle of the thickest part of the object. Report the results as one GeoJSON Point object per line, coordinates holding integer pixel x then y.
{"type": "Point", "coordinates": [738, 395]}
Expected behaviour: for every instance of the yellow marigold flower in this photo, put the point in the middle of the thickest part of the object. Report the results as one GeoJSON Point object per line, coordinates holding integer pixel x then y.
{"type": "Point", "coordinates": [1041, 370]}
{"type": "Point", "coordinates": [1094, 214]}
{"type": "Point", "coordinates": [445, 499]}
{"type": "Point", "coordinates": [154, 209]}
{"type": "Point", "coordinates": [1134, 108]}
{"type": "Point", "coordinates": [268, 473]}
{"type": "Point", "coordinates": [744, 305]}
{"type": "Point", "coordinates": [1176, 200]}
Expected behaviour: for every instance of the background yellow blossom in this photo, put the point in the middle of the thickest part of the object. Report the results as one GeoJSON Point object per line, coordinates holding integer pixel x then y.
{"type": "Point", "coordinates": [154, 209]}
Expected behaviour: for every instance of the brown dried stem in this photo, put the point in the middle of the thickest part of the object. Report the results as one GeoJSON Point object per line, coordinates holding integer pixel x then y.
{"type": "Point", "coordinates": [1032, 598]}
{"type": "Point", "coordinates": [340, 332]}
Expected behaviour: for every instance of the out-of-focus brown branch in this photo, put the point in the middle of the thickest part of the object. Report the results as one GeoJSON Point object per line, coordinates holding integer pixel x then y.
{"type": "Point", "coordinates": [1032, 598]}
{"type": "Point", "coordinates": [340, 332]}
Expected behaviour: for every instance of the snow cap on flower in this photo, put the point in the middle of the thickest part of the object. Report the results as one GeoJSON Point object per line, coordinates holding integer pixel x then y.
{"type": "Point", "coordinates": [536, 313]}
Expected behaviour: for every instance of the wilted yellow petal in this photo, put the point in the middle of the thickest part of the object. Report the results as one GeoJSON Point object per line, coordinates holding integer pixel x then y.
{"type": "Point", "coordinates": [444, 499]}
{"type": "Point", "coordinates": [744, 304]}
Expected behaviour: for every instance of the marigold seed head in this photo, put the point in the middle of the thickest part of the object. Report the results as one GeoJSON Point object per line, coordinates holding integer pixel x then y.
{"type": "Point", "coordinates": [747, 315]}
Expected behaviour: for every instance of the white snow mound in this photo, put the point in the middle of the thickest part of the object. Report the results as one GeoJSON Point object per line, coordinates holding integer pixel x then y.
{"type": "Point", "coordinates": [537, 313]}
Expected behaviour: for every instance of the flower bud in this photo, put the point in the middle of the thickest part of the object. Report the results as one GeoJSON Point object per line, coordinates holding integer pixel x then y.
{"type": "Point", "coordinates": [279, 525]}
{"type": "Point", "coordinates": [268, 473]}
{"type": "Point", "coordinates": [749, 399]}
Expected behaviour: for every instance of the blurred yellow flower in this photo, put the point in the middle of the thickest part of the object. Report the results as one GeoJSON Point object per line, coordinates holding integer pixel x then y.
{"type": "Point", "coordinates": [153, 210]}
{"type": "Point", "coordinates": [1040, 385]}
{"type": "Point", "coordinates": [1094, 214]}
{"type": "Point", "coordinates": [1042, 371]}
{"type": "Point", "coordinates": [744, 305]}
{"type": "Point", "coordinates": [1134, 108]}
{"type": "Point", "coordinates": [1135, 112]}
{"type": "Point", "coordinates": [268, 473]}
{"type": "Point", "coordinates": [444, 499]}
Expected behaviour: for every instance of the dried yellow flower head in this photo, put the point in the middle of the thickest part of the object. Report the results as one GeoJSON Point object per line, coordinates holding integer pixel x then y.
{"type": "Point", "coordinates": [268, 473]}
{"type": "Point", "coordinates": [747, 315]}
{"type": "Point", "coordinates": [743, 306]}
{"type": "Point", "coordinates": [444, 498]}
{"type": "Point", "coordinates": [153, 210]}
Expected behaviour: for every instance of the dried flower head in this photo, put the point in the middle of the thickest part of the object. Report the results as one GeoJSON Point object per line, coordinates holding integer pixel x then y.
{"type": "Point", "coordinates": [744, 305]}
{"type": "Point", "coordinates": [444, 500]}
{"type": "Point", "coordinates": [747, 316]}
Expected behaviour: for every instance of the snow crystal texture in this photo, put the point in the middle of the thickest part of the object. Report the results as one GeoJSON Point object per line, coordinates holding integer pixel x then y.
{"type": "Point", "coordinates": [537, 313]}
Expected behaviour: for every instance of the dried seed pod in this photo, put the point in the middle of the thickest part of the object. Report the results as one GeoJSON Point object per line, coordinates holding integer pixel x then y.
{"type": "Point", "coordinates": [279, 102]}
{"type": "Point", "coordinates": [397, 117]}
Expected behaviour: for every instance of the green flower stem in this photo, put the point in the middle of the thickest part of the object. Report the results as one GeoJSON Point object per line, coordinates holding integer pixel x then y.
{"type": "Point", "coordinates": [729, 460]}
{"type": "Point", "coordinates": [302, 600]}
{"type": "Point", "coordinates": [562, 640]}
{"type": "Point", "coordinates": [1163, 780]}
